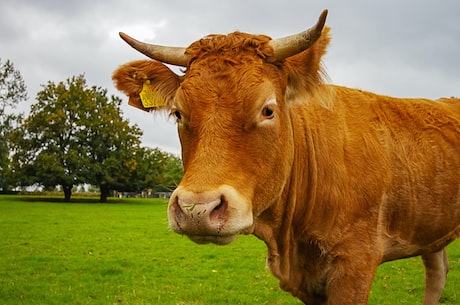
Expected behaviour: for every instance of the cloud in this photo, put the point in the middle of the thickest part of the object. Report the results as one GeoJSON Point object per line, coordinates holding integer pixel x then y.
{"type": "Point", "coordinates": [400, 48]}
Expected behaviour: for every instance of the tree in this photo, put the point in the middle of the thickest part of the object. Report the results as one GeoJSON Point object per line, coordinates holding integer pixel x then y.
{"type": "Point", "coordinates": [148, 170]}
{"type": "Point", "coordinates": [172, 174]}
{"type": "Point", "coordinates": [112, 145]}
{"type": "Point", "coordinates": [156, 170]}
{"type": "Point", "coordinates": [12, 92]}
{"type": "Point", "coordinates": [74, 134]}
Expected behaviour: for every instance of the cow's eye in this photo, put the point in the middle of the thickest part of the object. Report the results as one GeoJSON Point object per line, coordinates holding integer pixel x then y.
{"type": "Point", "coordinates": [268, 113]}
{"type": "Point", "coordinates": [176, 114]}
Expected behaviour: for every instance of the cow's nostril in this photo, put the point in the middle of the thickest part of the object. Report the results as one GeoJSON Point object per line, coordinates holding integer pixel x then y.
{"type": "Point", "coordinates": [179, 213]}
{"type": "Point", "coordinates": [219, 211]}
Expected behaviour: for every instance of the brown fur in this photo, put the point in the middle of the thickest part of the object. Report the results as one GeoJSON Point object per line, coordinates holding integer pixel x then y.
{"type": "Point", "coordinates": [340, 181]}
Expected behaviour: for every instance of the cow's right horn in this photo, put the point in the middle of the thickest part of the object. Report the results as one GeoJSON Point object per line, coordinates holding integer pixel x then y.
{"type": "Point", "coordinates": [288, 46]}
{"type": "Point", "coordinates": [170, 55]}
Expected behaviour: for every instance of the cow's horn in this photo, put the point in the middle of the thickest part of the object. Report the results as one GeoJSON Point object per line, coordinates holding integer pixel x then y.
{"type": "Point", "coordinates": [171, 55]}
{"type": "Point", "coordinates": [287, 46]}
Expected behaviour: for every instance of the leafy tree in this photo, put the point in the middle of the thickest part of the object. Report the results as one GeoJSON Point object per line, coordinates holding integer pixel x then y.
{"type": "Point", "coordinates": [172, 174]}
{"type": "Point", "coordinates": [48, 150]}
{"type": "Point", "coordinates": [112, 145]}
{"type": "Point", "coordinates": [156, 170]}
{"type": "Point", "coordinates": [12, 92]}
{"type": "Point", "coordinates": [74, 134]}
{"type": "Point", "coordinates": [148, 170]}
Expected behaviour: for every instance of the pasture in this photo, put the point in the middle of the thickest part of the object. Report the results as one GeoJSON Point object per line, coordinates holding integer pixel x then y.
{"type": "Point", "coordinates": [123, 253]}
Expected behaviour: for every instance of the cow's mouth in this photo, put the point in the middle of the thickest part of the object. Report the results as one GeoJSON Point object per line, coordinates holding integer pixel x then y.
{"type": "Point", "coordinates": [215, 239]}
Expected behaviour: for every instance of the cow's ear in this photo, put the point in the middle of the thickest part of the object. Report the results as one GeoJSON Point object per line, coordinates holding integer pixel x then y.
{"type": "Point", "coordinates": [149, 84]}
{"type": "Point", "coordinates": [304, 71]}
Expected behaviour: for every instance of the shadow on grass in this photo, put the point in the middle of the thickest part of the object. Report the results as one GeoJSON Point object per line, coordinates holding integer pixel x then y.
{"type": "Point", "coordinates": [75, 200]}
{"type": "Point", "coordinates": [89, 200]}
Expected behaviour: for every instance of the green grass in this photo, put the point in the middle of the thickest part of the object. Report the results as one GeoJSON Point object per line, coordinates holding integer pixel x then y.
{"type": "Point", "coordinates": [403, 281]}
{"type": "Point", "coordinates": [123, 253]}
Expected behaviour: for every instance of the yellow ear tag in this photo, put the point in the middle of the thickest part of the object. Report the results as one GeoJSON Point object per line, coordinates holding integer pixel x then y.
{"type": "Point", "coordinates": [150, 98]}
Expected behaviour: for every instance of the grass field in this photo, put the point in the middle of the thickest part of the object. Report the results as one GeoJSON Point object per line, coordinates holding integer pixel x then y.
{"type": "Point", "coordinates": [123, 253]}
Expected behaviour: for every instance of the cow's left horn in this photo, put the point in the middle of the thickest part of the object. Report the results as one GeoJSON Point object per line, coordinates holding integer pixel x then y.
{"type": "Point", "coordinates": [171, 55]}
{"type": "Point", "coordinates": [287, 46]}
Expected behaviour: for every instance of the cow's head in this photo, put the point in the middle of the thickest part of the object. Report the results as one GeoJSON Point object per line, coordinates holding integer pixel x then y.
{"type": "Point", "coordinates": [233, 114]}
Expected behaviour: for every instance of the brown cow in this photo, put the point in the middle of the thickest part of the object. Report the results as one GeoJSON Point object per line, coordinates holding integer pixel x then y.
{"type": "Point", "coordinates": [334, 180]}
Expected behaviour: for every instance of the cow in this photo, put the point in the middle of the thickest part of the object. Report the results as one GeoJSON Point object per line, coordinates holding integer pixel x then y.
{"type": "Point", "coordinates": [334, 180]}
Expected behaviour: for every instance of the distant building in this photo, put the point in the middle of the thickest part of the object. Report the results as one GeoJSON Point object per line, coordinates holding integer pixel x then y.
{"type": "Point", "coordinates": [162, 194]}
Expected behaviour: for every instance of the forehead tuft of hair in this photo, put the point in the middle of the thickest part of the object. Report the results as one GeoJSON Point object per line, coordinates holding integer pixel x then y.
{"type": "Point", "coordinates": [234, 45]}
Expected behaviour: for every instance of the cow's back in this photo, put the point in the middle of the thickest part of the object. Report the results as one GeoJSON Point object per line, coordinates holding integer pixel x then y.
{"type": "Point", "coordinates": [421, 207]}
{"type": "Point", "coordinates": [395, 162]}
{"type": "Point", "coordinates": [452, 104]}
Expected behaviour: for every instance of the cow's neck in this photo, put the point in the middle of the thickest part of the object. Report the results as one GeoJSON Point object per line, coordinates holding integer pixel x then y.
{"type": "Point", "coordinates": [291, 229]}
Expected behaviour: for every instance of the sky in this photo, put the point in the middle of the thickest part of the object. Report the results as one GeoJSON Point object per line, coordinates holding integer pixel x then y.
{"type": "Point", "coordinates": [400, 48]}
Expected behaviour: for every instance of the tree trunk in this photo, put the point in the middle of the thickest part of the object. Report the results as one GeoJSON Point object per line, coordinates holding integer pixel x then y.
{"type": "Point", "coordinates": [67, 192]}
{"type": "Point", "coordinates": [104, 194]}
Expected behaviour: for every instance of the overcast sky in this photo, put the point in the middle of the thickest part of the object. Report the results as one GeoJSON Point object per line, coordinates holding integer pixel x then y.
{"type": "Point", "coordinates": [393, 47]}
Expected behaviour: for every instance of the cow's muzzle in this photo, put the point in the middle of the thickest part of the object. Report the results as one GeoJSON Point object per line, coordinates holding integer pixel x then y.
{"type": "Point", "coordinates": [216, 216]}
